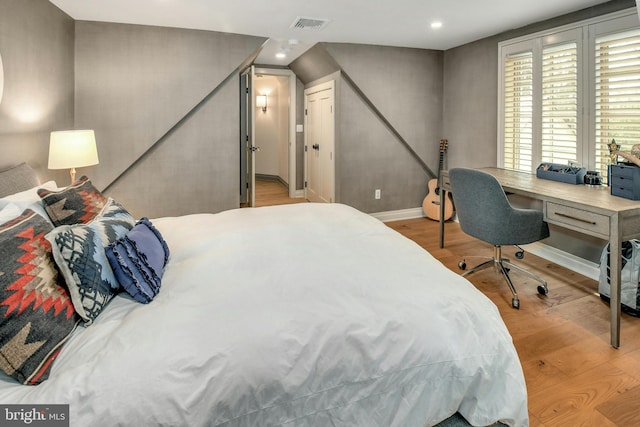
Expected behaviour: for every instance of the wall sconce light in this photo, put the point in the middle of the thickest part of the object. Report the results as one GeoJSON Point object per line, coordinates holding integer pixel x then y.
{"type": "Point", "coordinates": [72, 149]}
{"type": "Point", "coordinates": [261, 102]}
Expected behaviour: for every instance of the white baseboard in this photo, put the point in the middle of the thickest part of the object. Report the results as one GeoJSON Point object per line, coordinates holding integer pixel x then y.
{"type": "Point", "coordinates": [557, 256]}
{"type": "Point", "coordinates": [565, 259]}
{"type": "Point", "coordinates": [399, 214]}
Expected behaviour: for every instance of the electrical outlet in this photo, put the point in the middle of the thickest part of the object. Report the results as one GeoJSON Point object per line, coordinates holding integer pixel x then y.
{"type": "Point", "coordinates": [377, 194]}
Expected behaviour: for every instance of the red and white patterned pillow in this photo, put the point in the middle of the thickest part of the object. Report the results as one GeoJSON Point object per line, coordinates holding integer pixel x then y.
{"type": "Point", "coordinates": [77, 204]}
{"type": "Point", "coordinates": [36, 312]}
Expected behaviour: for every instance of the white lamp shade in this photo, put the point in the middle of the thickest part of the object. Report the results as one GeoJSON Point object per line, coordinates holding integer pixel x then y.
{"type": "Point", "coordinates": [261, 101]}
{"type": "Point", "coordinates": [72, 149]}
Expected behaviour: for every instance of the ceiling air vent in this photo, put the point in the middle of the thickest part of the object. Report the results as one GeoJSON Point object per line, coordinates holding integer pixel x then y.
{"type": "Point", "coordinates": [303, 23]}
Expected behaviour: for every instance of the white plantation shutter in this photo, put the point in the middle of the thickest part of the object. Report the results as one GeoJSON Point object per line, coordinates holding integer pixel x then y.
{"type": "Point", "coordinates": [518, 111]}
{"type": "Point", "coordinates": [559, 104]}
{"type": "Point", "coordinates": [565, 93]}
{"type": "Point", "coordinates": [617, 93]}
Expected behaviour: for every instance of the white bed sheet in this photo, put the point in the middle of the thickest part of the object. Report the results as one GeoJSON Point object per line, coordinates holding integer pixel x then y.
{"type": "Point", "coordinates": [299, 315]}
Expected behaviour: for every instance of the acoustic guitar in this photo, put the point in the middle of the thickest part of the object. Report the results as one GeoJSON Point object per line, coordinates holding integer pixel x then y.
{"type": "Point", "coordinates": [431, 203]}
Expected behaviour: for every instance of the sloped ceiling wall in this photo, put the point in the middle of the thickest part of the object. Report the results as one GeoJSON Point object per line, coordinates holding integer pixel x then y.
{"type": "Point", "coordinates": [405, 87]}
{"type": "Point", "coordinates": [133, 84]}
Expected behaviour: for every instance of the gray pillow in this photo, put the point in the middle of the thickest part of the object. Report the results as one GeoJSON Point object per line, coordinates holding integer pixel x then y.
{"type": "Point", "coordinates": [17, 179]}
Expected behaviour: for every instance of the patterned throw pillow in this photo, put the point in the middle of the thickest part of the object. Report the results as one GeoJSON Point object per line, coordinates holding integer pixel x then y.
{"type": "Point", "coordinates": [36, 313]}
{"type": "Point", "coordinates": [79, 252]}
{"type": "Point", "coordinates": [138, 260]}
{"type": "Point", "coordinates": [77, 204]}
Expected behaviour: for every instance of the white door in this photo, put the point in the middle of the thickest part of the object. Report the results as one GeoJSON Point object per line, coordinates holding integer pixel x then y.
{"type": "Point", "coordinates": [319, 143]}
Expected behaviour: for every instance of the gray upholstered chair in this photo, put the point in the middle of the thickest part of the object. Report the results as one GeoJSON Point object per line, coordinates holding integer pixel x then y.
{"type": "Point", "coordinates": [484, 212]}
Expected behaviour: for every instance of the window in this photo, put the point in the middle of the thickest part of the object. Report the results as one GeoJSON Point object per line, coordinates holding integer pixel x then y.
{"type": "Point", "coordinates": [617, 93]}
{"type": "Point", "coordinates": [518, 108]}
{"type": "Point", "coordinates": [566, 93]}
{"type": "Point", "coordinates": [559, 136]}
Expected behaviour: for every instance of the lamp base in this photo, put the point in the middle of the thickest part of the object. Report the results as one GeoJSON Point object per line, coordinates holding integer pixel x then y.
{"type": "Point", "coordinates": [72, 172]}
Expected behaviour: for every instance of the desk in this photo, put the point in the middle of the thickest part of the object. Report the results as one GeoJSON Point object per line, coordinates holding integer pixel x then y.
{"type": "Point", "coordinates": [588, 210]}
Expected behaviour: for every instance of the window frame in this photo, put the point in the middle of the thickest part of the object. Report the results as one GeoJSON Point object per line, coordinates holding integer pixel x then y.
{"type": "Point", "coordinates": [584, 34]}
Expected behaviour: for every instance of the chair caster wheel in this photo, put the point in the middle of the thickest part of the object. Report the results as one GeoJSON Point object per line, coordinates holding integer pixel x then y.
{"type": "Point", "coordinates": [515, 303]}
{"type": "Point", "coordinates": [543, 290]}
{"type": "Point", "coordinates": [462, 265]}
{"type": "Point", "coordinates": [520, 254]}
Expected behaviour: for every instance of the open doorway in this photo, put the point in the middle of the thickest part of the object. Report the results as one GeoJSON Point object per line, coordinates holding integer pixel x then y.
{"type": "Point", "coordinates": [271, 137]}
{"type": "Point", "coordinates": [271, 131]}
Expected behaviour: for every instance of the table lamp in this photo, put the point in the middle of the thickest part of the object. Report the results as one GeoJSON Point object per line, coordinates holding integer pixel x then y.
{"type": "Point", "coordinates": [72, 149]}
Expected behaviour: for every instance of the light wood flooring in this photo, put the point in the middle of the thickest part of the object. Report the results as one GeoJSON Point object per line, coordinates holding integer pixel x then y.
{"type": "Point", "coordinates": [574, 377]}
{"type": "Point", "coordinates": [273, 193]}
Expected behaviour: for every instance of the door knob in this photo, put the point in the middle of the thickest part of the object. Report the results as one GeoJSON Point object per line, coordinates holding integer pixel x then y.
{"type": "Point", "coordinates": [316, 146]}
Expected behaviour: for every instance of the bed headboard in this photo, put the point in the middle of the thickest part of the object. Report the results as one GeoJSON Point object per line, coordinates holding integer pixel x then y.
{"type": "Point", "coordinates": [17, 178]}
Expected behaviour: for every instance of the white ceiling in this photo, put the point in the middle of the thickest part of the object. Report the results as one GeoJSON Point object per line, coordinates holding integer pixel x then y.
{"type": "Point", "coordinates": [405, 23]}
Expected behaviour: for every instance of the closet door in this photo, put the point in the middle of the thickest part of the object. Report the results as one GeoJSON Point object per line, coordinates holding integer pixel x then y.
{"type": "Point", "coordinates": [320, 143]}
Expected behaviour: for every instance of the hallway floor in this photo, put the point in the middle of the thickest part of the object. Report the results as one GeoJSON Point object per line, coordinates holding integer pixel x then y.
{"type": "Point", "coordinates": [270, 193]}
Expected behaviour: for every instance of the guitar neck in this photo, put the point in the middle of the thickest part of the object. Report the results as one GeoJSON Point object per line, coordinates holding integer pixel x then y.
{"type": "Point", "coordinates": [441, 162]}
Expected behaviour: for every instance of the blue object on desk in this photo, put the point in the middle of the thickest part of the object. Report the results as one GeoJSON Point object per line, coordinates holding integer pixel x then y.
{"type": "Point", "coordinates": [562, 173]}
{"type": "Point", "coordinates": [625, 181]}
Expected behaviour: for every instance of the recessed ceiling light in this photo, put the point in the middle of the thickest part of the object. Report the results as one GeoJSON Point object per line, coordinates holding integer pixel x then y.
{"type": "Point", "coordinates": [436, 24]}
{"type": "Point", "coordinates": [281, 55]}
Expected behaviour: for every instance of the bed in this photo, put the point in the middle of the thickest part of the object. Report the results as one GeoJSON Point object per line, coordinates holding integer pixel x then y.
{"type": "Point", "coordinates": [298, 315]}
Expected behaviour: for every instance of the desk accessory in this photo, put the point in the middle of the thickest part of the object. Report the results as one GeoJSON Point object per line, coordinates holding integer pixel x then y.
{"type": "Point", "coordinates": [562, 173]}
{"type": "Point", "coordinates": [632, 156]}
{"type": "Point", "coordinates": [593, 178]}
{"type": "Point", "coordinates": [625, 181]}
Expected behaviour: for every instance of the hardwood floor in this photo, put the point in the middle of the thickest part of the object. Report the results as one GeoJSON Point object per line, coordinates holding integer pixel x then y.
{"type": "Point", "coordinates": [574, 377]}
{"type": "Point", "coordinates": [273, 193]}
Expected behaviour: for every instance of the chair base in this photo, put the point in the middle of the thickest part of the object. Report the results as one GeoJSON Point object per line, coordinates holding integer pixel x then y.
{"type": "Point", "coordinates": [503, 265]}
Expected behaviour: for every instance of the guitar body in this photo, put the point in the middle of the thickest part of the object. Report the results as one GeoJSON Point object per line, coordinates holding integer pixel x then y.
{"type": "Point", "coordinates": [431, 203]}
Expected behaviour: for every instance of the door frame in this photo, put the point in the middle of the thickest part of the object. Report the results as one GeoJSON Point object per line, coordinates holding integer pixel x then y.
{"type": "Point", "coordinates": [293, 193]}
{"type": "Point", "coordinates": [247, 156]}
{"type": "Point", "coordinates": [331, 86]}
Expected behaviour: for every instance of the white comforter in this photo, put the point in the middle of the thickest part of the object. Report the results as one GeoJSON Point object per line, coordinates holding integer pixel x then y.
{"type": "Point", "coordinates": [301, 315]}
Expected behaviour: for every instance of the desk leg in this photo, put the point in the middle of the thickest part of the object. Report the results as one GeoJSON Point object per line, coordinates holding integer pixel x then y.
{"type": "Point", "coordinates": [442, 194]}
{"type": "Point", "coordinates": [615, 265]}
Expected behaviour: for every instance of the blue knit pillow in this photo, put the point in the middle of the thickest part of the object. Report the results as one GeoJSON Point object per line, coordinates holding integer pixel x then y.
{"type": "Point", "coordinates": [138, 260]}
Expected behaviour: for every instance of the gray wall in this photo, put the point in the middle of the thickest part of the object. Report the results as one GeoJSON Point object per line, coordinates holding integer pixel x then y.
{"type": "Point", "coordinates": [405, 85]}
{"type": "Point", "coordinates": [36, 44]}
{"type": "Point", "coordinates": [471, 103]}
{"type": "Point", "coordinates": [133, 84]}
